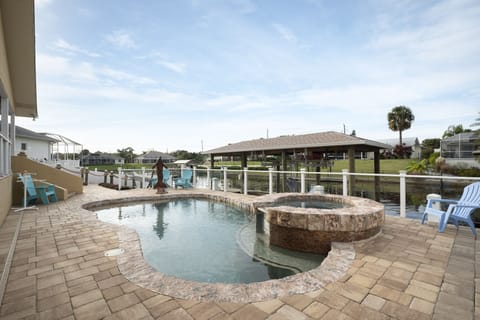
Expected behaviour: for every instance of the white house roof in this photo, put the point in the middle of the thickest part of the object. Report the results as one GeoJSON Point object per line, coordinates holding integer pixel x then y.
{"type": "Point", "coordinates": [182, 161]}
{"type": "Point", "coordinates": [26, 133]}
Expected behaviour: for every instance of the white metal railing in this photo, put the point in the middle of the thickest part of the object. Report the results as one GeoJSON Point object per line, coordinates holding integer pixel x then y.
{"type": "Point", "coordinates": [207, 179]}
{"type": "Point", "coordinates": [401, 176]}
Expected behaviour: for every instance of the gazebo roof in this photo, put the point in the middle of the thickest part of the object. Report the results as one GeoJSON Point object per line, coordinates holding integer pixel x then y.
{"type": "Point", "coordinates": [329, 140]}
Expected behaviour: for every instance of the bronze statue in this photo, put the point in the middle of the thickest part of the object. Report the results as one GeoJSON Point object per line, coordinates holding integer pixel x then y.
{"type": "Point", "coordinates": [160, 186]}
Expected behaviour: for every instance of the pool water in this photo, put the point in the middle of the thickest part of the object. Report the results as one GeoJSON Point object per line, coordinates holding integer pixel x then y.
{"type": "Point", "coordinates": [315, 204]}
{"type": "Point", "coordinates": [197, 239]}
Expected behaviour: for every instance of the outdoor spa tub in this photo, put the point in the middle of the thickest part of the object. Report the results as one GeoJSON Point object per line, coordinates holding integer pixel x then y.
{"type": "Point", "coordinates": [300, 221]}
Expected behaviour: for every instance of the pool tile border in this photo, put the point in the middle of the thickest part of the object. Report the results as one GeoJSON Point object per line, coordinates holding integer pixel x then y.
{"type": "Point", "coordinates": [134, 267]}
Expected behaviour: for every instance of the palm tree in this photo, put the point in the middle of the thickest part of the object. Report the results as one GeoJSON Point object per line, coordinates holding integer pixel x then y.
{"type": "Point", "coordinates": [400, 119]}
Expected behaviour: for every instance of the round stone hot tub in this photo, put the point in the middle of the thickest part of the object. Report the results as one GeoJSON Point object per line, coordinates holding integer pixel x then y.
{"type": "Point", "coordinates": [300, 221]}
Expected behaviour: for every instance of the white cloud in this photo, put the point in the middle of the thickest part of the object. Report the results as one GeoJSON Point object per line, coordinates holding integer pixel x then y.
{"type": "Point", "coordinates": [78, 71]}
{"type": "Point", "coordinates": [122, 39]}
{"type": "Point", "coordinates": [178, 67]}
{"type": "Point", "coordinates": [285, 32]}
{"type": "Point", "coordinates": [440, 33]}
{"type": "Point", "coordinates": [57, 66]}
{"type": "Point", "coordinates": [125, 76]}
{"type": "Point", "coordinates": [66, 46]}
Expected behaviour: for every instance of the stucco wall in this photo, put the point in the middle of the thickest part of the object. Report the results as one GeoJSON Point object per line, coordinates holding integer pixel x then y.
{"type": "Point", "coordinates": [5, 197]}
{"type": "Point", "coordinates": [68, 181]}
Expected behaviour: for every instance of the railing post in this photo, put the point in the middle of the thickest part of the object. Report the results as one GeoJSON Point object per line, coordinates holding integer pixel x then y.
{"type": "Point", "coordinates": [209, 185]}
{"type": "Point", "coordinates": [245, 180]}
{"type": "Point", "coordinates": [270, 180]}
{"type": "Point", "coordinates": [194, 179]}
{"type": "Point", "coordinates": [225, 187]}
{"type": "Point", "coordinates": [143, 178]}
{"type": "Point", "coordinates": [302, 180]}
{"type": "Point", "coordinates": [345, 182]}
{"type": "Point", "coordinates": [86, 176]}
{"type": "Point", "coordinates": [119, 178]}
{"type": "Point", "coordinates": [403, 194]}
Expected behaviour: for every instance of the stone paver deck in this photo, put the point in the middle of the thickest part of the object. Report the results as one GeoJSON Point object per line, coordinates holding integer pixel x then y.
{"type": "Point", "coordinates": [59, 271]}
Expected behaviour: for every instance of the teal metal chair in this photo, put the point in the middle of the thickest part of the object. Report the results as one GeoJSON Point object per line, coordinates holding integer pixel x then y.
{"type": "Point", "coordinates": [458, 210]}
{"type": "Point", "coordinates": [44, 191]}
{"type": "Point", "coordinates": [184, 180]}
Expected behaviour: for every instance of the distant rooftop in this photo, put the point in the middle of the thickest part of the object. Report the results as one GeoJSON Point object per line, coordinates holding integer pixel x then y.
{"type": "Point", "coordinates": [155, 155]}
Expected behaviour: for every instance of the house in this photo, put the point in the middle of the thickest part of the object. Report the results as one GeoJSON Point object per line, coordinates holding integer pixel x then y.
{"type": "Point", "coordinates": [18, 87]}
{"type": "Point", "coordinates": [18, 98]}
{"type": "Point", "coordinates": [94, 159]}
{"type": "Point", "coordinates": [152, 157]}
{"type": "Point", "coordinates": [412, 142]}
{"type": "Point", "coordinates": [461, 149]}
{"type": "Point", "coordinates": [36, 146]}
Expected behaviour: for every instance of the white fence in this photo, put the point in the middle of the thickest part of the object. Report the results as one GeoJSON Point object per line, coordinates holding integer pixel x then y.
{"type": "Point", "coordinates": [242, 181]}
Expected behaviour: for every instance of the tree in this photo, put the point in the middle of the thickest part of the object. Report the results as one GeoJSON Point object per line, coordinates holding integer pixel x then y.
{"type": "Point", "coordinates": [126, 154]}
{"type": "Point", "coordinates": [185, 155]}
{"type": "Point", "coordinates": [429, 146]}
{"type": "Point", "coordinates": [400, 119]}
{"type": "Point", "coordinates": [84, 152]}
{"type": "Point", "coordinates": [453, 130]}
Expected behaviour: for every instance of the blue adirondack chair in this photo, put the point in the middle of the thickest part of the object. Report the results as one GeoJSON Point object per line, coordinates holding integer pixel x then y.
{"type": "Point", "coordinates": [184, 180]}
{"type": "Point", "coordinates": [46, 192]}
{"type": "Point", "coordinates": [458, 210]}
{"type": "Point", "coordinates": [166, 178]}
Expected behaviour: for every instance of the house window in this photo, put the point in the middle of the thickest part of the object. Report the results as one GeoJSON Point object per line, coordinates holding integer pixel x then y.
{"type": "Point", "coordinates": [23, 146]}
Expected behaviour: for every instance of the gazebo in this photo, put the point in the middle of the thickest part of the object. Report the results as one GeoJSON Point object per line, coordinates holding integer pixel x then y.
{"type": "Point", "coordinates": [311, 149]}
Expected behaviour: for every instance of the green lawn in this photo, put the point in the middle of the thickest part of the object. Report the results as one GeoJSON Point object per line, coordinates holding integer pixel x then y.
{"type": "Point", "coordinates": [366, 166]}
{"type": "Point", "coordinates": [361, 166]}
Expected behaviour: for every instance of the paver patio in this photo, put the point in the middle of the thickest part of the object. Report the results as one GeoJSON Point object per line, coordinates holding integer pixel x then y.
{"type": "Point", "coordinates": [59, 271]}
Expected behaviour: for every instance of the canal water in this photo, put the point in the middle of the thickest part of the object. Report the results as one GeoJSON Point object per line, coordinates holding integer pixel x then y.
{"type": "Point", "coordinates": [387, 191]}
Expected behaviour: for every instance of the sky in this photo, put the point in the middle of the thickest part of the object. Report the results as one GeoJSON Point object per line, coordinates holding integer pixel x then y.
{"type": "Point", "coordinates": [199, 74]}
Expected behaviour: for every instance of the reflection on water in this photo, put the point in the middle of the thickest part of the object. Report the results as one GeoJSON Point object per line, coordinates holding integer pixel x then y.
{"type": "Point", "coordinates": [160, 226]}
{"type": "Point", "coordinates": [198, 240]}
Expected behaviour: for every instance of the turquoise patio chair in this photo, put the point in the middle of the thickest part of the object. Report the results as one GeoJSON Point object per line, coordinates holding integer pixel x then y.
{"type": "Point", "coordinates": [44, 191]}
{"type": "Point", "coordinates": [166, 178]}
{"type": "Point", "coordinates": [184, 180]}
{"type": "Point", "coordinates": [458, 210]}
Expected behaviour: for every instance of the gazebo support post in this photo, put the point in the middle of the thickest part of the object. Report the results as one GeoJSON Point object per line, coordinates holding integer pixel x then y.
{"type": "Point", "coordinates": [243, 164]}
{"type": "Point", "coordinates": [376, 170]}
{"type": "Point", "coordinates": [284, 168]}
{"type": "Point", "coordinates": [351, 168]}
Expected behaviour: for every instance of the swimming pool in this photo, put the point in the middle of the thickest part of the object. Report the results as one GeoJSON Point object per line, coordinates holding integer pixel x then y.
{"type": "Point", "coordinates": [207, 241]}
{"type": "Point", "coordinates": [316, 204]}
